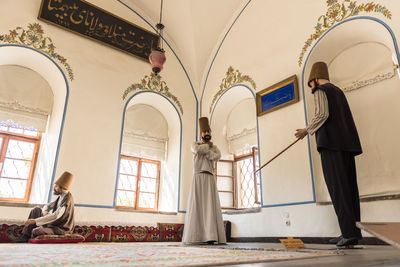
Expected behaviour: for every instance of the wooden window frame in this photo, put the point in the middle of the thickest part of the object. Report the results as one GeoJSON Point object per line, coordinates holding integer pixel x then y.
{"type": "Point", "coordinates": [138, 177]}
{"type": "Point", "coordinates": [227, 176]}
{"type": "Point", "coordinates": [3, 150]}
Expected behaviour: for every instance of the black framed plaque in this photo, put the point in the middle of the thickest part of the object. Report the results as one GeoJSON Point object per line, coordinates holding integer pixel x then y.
{"type": "Point", "coordinates": [85, 19]}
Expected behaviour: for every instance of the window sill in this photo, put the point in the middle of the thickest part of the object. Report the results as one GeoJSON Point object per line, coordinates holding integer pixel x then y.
{"type": "Point", "coordinates": [367, 199]}
{"type": "Point", "coordinates": [242, 211]}
{"type": "Point", "coordinates": [146, 211]}
{"type": "Point", "coordinates": [19, 204]}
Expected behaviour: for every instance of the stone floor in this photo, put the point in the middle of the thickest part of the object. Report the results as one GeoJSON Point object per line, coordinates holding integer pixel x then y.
{"type": "Point", "coordinates": [364, 256]}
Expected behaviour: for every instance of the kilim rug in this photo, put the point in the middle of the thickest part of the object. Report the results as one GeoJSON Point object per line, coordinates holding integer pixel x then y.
{"type": "Point", "coordinates": [144, 254]}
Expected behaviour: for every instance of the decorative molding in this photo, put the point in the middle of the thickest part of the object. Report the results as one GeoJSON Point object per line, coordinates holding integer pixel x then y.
{"type": "Point", "coordinates": [145, 136]}
{"type": "Point", "coordinates": [378, 78]}
{"type": "Point", "coordinates": [232, 78]}
{"type": "Point", "coordinates": [34, 37]}
{"type": "Point", "coordinates": [15, 105]}
{"type": "Point", "coordinates": [338, 12]}
{"type": "Point", "coordinates": [154, 83]}
{"type": "Point", "coordinates": [245, 132]}
{"type": "Point", "coordinates": [12, 124]}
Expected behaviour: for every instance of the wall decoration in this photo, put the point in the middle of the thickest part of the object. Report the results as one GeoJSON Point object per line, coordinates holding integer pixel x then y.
{"type": "Point", "coordinates": [378, 78]}
{"type": "Point", "coordinates": [154, 83]}
{"type": "Point", "coordinates": [337, 12]}
{"type": "Point", "coordinates": [34, 37]}
{"type": "Point", "coordinates": [277, 96]}
{"type": "Point", "coordinates": [87, 20]}
{"type": "Point", "coordinates": [233, 77]}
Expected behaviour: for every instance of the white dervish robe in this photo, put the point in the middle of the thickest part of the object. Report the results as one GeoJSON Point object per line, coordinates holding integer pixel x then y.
{"type": "Point", "coordinates": [203, 220]}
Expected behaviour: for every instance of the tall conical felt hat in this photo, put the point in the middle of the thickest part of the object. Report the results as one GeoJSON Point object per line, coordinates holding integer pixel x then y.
{"type": "Point", "coordinates": [318, 71]}
{"type": "Point", "coordinates": [204, 124]}
{"type": "Point", "coordinates": [65, 180]}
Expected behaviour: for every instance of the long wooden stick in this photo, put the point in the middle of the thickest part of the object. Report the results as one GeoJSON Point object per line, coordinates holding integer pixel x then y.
{"type": "Point", "coordinates": [277, 155]}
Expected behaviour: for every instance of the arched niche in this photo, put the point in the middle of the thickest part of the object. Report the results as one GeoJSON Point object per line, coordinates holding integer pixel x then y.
{"type": "Point", "coordinates": [171, 165]}
{"type": "Point", "coordinates": [47, 68]}
{"type": "Point", "coordinates": [145, 133]}
{"type": "Point", "coordinates": [359, 53]}
{"type": "Point", "coordinates": [224, 131]}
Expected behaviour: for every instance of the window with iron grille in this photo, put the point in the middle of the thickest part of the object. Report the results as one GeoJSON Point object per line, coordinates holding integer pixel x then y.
{"type": "Point", "coordinates": [238, 186]}
{"type": "Point", "coordinates": [248, 182]}
{"type": "Point", "coordinates": [18, 154]}
{"type": "Point", "coordinates": [138, 183]}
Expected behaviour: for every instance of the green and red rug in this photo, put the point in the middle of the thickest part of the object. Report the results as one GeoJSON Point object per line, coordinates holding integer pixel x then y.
{"type": "Point", "coordinates": [143, 254]}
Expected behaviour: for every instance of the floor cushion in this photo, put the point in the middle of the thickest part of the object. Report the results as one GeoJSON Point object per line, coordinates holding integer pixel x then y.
{"type": "Point", "coordinates": [51, 239]}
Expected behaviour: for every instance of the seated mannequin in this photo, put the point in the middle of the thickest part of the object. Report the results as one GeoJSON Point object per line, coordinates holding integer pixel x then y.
{"type": "Point", "coordinates": [55, 218]}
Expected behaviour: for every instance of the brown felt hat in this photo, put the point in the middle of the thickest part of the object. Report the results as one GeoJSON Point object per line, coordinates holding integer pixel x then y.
{"type": "Point", "coordinates": [204, 124]}
{"type": "Point", "coordinates": [318, 71]}
{"type": "Point", "coordinates": [65, 180]}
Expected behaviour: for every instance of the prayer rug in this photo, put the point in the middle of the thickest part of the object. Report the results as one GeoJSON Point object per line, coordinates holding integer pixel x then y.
{"type": "Point", "coordinates": [141, 254]}
{"type": "Point", "coordinates": [171, 232]}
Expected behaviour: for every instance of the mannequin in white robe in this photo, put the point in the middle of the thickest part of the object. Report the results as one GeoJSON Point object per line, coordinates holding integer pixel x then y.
{"type": "Point", "coordinates": [203, 223]}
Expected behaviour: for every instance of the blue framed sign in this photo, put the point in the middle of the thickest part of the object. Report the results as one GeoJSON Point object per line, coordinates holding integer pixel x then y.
{"type": "Point", "coordinates": [278, 95]}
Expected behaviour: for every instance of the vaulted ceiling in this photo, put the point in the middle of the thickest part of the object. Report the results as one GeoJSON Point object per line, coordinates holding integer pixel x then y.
{"type": "Point", "coordinates": [193, 28]}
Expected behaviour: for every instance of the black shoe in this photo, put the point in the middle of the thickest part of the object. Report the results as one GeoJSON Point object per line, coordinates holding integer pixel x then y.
{"type": "Point", "coordinates": [334, 241]}
{"type": "Point", "coordinates": [344, 242]}
{"type": "Point", "coordinates": [21, 239]}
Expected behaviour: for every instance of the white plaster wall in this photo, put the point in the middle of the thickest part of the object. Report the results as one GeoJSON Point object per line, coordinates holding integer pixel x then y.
{"type": "Point", "coordinates": [256, 48]}
{"type": "Point", "coordinates": [242, 126]}
{"type": "Point", "coordinates": [264, 43]}
{"type": "Point", "coordinates": [91, 135]}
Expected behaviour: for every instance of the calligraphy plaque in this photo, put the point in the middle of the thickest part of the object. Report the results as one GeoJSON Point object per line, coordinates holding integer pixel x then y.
{"type": "Point", "coordinates": [277, 96]}
{"type": "Point", "coordinates": [85, 19]}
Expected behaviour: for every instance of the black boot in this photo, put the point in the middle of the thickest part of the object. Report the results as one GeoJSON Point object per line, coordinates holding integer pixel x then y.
{"type": "Point", "coordinates": [334, 241]}
{"type": "Point", "coordinates": [346, 242]}
{"type": "Point", "coordinates": [21, 239]}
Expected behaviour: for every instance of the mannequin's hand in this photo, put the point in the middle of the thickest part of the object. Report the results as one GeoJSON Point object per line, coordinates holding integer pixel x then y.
{"type": "Point", "coordinates": [301, 133]}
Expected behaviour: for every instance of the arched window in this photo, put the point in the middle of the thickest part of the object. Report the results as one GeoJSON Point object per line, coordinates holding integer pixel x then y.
{"type": "Point", "coordinates": [144, 145]}
{"type": "Point", "coordinates": [150, 154]}
{"type": "Point", "coordinates": [26, 101]}
{"type": "Point", "coordinates": [234, 125]}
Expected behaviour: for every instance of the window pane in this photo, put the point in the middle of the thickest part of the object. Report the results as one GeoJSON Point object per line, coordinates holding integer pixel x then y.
{"type": "Point", "coordinates": [126, 199]}
{"type": "Point", "coordinates": [149, 170]}
{"type": "Point", "coordinates": [224, 184]}
{"type": "Point", "coordinates": [30, 132]}
{"type": "Point", "coordinates": [146, 200]}
{"type": "Point", "coordinates": [16, 168]}
{"type": "Point", "coordinates": [147, 185]}
{"type": "Point", "coordinates": [247, 192]}
{"type": "Point", "coordinates": [128, 166]}
{"type": "Point", "coordinates": [20, 150]}
{"type": "Point", "coordinates": [127, 182]}
{"type": "Point", "coordinates": [16, 130]}
{"type": "Point", "coordinates": [10, 188]}
{"type": "Point", "coordinates": [226, 199]}
{"type": "Point", "coordinates": [224, 168]}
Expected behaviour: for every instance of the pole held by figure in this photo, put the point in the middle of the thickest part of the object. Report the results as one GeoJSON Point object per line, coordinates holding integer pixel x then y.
{"type": "Point", "coordinates": [277, 155]}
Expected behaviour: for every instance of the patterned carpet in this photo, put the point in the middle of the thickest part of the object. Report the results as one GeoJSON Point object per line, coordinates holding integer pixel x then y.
{"type": "Point", "coordinates": [144, 254]}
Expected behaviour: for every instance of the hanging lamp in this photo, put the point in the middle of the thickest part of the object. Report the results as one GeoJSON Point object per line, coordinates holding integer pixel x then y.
{"type": "Point", "coordinates": [157, 56]}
